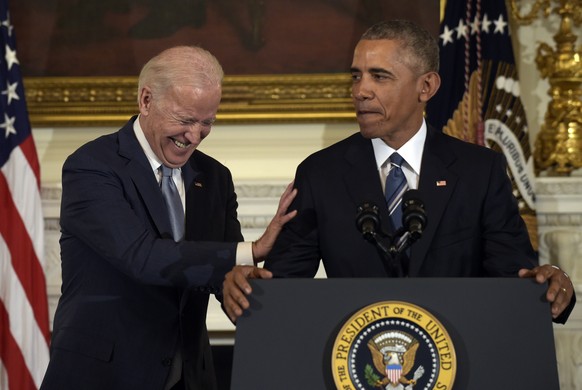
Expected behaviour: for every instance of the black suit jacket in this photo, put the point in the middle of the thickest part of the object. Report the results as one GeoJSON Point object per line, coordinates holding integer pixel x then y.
{"type": "Point", "coordinates": [131, 296]}
{"type": "Point", "coordinates": [474, 228]}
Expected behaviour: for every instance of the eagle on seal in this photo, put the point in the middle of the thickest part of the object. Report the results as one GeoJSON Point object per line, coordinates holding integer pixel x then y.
{"type": "Point", "coordinates": [394, 363]}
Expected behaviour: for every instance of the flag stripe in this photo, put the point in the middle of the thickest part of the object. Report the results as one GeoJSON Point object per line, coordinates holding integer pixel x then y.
{"type": "Point", "coordinates": [3, 373]}
{"type": "Point", "coordinates": [21, 185]}
{"type": "Point", "coordinates": [24, 329]}
{"type": "Point", "coordinates": [18, 375]}
{"type": "Point", "coordinates": [29, 151]}
{"type": "Point", "coordinates": [29, 273]}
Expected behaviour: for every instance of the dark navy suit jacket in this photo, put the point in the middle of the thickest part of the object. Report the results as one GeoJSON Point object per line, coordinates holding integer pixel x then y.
{"type": "Point", "coordinates": [474, 228]}
{"type": "Point", "coordinates": [131, 296]}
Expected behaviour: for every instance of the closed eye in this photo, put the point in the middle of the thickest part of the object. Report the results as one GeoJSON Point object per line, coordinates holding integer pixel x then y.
{"type": "Point", "coordinates": [193, 122]}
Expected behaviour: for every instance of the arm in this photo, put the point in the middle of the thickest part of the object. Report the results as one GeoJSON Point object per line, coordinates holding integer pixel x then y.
{"type": "Point", "coordinates": [507, 232]}
{"type": "Point", "coordinates": [236, 286]}
{"type": "Point", "coordinates": [111, 210]}
{"type": "Point", "coordinates": [507, 245]}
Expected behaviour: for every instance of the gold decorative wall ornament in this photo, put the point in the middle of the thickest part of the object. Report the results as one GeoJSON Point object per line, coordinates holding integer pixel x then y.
{"type": "Point", "coordinates": [110, 101]}
{"type": "Point", "coordinates": [558, 147]}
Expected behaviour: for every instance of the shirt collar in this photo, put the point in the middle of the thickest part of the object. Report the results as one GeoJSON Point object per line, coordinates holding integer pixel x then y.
{"type": "Point", "coordinates": [411, 151]}
{"type": "Point", "coordinates": [145, 145]}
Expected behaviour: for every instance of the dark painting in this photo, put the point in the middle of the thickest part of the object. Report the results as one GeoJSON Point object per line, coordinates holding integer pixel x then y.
{"type": "Point", "coordinates": [70, 38]}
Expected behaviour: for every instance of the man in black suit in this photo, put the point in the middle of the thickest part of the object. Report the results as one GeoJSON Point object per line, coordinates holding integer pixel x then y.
{"type": "Point", "coordinates": [135, 286]}
{"type": "Point", "coordinates": [474, 228]}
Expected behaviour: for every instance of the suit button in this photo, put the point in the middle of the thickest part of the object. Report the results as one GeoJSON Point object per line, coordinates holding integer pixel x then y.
{"type": "Point", "coordinates": [166, 362]}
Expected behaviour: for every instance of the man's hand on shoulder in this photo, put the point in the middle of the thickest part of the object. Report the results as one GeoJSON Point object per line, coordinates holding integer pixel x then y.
{"type": "Point", "coordinates": [263, 245]}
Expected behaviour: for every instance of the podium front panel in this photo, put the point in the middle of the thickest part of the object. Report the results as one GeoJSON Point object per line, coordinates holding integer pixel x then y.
{"type": "Point", "coordinates": [501, 329]}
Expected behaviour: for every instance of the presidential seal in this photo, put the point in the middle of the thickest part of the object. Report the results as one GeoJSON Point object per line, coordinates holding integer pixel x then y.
{"type": "Point", "coordinates": [393, 345]}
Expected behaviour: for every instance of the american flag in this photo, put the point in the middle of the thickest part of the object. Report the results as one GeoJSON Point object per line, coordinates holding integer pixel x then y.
{"type": "Point", "coordinates": [479, 98]}
{"type": "Point", "coordinates": [24, 327]}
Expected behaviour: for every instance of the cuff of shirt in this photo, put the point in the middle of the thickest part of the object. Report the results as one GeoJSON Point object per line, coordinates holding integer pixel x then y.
{"type": "Point", "coordinates": [244, 253]}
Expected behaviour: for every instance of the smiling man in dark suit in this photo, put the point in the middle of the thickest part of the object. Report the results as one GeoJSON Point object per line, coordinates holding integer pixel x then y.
{"type": "Point", "coordinates": [135, 285]}
{"type": "Point", "coordinates": [474, 228]}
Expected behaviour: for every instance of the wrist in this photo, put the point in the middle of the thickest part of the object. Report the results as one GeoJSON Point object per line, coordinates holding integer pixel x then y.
{"type": "Point", "coordinates": [257, 258]}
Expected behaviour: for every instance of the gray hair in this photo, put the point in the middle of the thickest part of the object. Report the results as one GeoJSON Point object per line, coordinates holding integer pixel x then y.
{"type": "Point", "coordinates": [181, 65]}
{"type": "Point", "coordinates": [420, 48]}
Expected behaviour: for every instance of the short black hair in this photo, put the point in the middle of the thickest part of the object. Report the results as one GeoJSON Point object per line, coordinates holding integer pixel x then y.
{"type": "Point", "coordinates": [422, 48]}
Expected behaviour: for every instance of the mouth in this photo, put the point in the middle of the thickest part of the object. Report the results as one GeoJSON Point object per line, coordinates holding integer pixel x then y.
{"type": "Point", "coordinates": [179, 144]}
{"type": "Point", "coordinates": [363, 113]}
{"type": "Point", "coordinates": [363, 109]}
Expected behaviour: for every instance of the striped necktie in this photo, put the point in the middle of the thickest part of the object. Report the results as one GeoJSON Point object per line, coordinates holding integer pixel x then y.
{"type": "Point", "coordinates": [173, 203]}
{"type": "Point", "coordinates": [396, 186]}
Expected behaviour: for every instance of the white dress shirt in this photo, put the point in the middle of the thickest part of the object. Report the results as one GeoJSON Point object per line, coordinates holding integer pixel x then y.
{"type": "Point", "coordinates": [411, 152]}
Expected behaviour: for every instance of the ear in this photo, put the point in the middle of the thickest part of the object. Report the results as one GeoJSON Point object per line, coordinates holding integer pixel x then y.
{"type": "Point", "coordinates": [429, 85]}
{"type": "Point", "coordinates": [145, 101]}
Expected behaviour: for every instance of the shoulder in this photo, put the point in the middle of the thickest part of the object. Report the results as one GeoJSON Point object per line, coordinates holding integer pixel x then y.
{"type": "Point", "coordinates": [103, 150]}
{"type": "Point", "coordinates": [462, 151]}
{"type": "Point", "coordinates": [338, 150]}
{"type": "Point", "coordinates": [108, 147]}
{"type": "Point", "coordinates": [201, 161]}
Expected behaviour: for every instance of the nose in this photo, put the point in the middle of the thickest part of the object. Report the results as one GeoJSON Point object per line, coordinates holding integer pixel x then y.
{"type": "Point", "coordinates": [196, 132]}
{"type": "Point", "coordinates": [360, 91]}
{"type": "Point", "coordinates": [193, 135]}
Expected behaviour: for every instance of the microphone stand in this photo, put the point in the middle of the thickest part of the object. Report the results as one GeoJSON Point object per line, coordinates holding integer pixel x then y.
{"type": "Point", "coordinates": [403, 242]}
{"type": "Point", "coordinates": [391, 248]}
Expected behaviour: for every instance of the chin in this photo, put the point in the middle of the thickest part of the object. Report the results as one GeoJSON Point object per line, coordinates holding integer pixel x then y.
{"type": "Point", "coordinates": [369, 132]}
{"type": "Point", "coordinates": [177, 160]}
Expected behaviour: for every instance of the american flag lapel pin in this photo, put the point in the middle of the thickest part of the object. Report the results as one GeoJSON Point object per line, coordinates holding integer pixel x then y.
{"type": "Point", "coordinates": [441, 183]}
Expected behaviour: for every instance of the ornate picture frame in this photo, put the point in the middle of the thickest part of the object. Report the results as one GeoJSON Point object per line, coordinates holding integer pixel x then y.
{"type": "Point", "coordinates": [281, 58]}
{"type": "Point", "coordinates": [109, 101]}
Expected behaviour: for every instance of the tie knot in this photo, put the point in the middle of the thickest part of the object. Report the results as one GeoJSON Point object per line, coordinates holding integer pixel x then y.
{"type": "Point", "coordinates": [166, 171]}
{"type": "Point", "coordinates": [396, 159]}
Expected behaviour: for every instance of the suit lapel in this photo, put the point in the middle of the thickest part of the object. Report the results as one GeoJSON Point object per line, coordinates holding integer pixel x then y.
{"type": "Point", "coordinates": [362, 179]}
{"type": "Point", "coordinates": [436, 185]}
{"type": "Point", "coordinates": [190, 173]}
{"type": "Point", "coordinates": [140, 172]}
{"type": "Point", "coordinates": [196, 206]}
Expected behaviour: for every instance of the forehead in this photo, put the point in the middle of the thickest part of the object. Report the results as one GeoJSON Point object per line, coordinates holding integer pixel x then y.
{"type": "Point", "coordinates": [185, 94]}
{"type": "Point", "coordinates": [377, 53]}
{"type": "Point", "coordinates": [185, 101]}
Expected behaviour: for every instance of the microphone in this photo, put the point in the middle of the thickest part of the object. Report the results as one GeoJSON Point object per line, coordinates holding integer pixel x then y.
{"type": "Point", "coordinates": [413, 221]}
{"type": "Point", "coordinates": [368, 220]}
{"type": "Point", "coordinates": [391, 247]}
{"type": "Point", "coordinates": [413, 215]}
